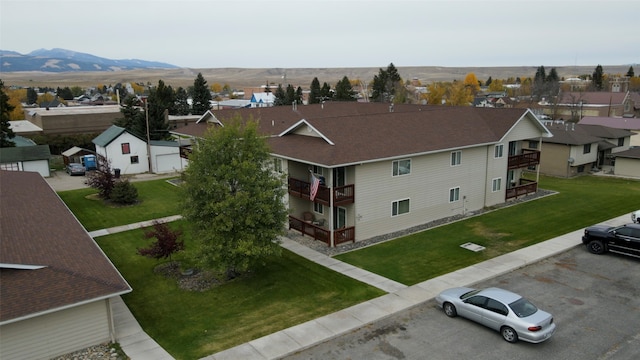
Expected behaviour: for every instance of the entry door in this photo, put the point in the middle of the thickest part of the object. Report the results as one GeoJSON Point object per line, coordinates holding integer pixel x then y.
{"type": "Point", "coordinates": [340, 176]}
{"type": "Point", "coordinates": [513, 148]}
{"type": "Point", "coordinates": [339, 218]}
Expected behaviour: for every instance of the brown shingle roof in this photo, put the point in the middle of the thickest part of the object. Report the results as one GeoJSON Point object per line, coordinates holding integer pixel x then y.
{"type": "Point", "coordinates": [579, 134]}
{"type": "Point", "coordinates": [39, 230]}
{"type": "Point", "coordinates": [363, 132]}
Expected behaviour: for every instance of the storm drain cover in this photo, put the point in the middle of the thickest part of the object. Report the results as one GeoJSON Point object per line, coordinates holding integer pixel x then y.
{"type": "Point", "coordinates": [473, 247]}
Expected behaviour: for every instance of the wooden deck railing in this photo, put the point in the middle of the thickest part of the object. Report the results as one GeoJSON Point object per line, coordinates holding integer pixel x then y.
{"type": "Point", "coordinates": [323, 234]}
{"type": "Point", "coordinates": [526, 159]}
{"type": "Point", "coordinates": [526, 187]}
{"type": "Point", "coordinates": [342, 195]}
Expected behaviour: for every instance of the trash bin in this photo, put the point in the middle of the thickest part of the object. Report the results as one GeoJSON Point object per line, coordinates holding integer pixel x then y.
{"type": "Point", "coordinates": [117, 173]}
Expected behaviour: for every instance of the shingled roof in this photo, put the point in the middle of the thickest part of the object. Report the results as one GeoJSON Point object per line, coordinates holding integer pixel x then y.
{"type": "Point", "coordinates": [579, 134]}
{"type": "Point", "coordinates": [339, 134]}
{"type": "Point", "coordinates": [48, 261]}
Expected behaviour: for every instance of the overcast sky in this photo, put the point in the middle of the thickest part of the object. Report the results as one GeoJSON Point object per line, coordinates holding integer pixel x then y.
{"type": "Point", "coordinates": [330, 33]}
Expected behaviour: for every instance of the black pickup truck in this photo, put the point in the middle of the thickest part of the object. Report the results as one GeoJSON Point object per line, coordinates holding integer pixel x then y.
{"type": "Point", "coordinates": [623, 239]}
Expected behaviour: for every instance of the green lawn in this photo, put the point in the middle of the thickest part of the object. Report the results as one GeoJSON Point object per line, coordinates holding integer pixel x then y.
{"type": "Point", "coordinates": [290, 290]}
{"type": "Point", "coordinates": [158, 199]}
{"type": "Point", "coordinates": [190, 325]}
{"type": "Point", "coordinates": [580, 202]}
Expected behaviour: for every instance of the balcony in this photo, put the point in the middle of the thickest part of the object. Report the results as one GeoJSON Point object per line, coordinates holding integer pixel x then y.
{"type": "Point", "coordinates": [524, 188]}
{"type": "Point", "coordinates": [321, 233]}
{"type": "Point", "coordinates": [342, 195]}
{"type": "Point", "coordinates": [524, 160]}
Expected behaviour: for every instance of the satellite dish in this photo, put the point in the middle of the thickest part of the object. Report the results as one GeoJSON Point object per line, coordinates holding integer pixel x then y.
{"type": "Point", "coordinates": [571, 160]}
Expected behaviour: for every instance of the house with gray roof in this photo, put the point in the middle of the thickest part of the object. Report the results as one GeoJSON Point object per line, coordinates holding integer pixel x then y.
{"type": "Point", "coordinates": [26, 158]}
{"type": "Point", "coordinates": [577, 149]}
{"type": "Point", "coordinates": [625, 123]}
{"type": "Point", "coordinates": [56, 284]}
{"type": "Point", "coordinates": [387, 168]}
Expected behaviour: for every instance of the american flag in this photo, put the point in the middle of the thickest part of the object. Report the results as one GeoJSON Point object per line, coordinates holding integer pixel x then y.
{"type": "Point", "coordinates": [315, 182]}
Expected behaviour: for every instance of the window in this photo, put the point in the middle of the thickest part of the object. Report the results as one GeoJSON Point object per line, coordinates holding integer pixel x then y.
{"type": "Point", "coordinates": [586, 149]}
{"type": "Point", "coordinates": [496, 184]}
{"type": "Point", "coordinates": [125, 148]}
{"type": "Point", "coordinates": [318, 170]}
{"type": "Point", "coordinates": [401, 167]}
{"type": "Point", "coordinates": [456, 156]}
{"type": "Point", "coordinates": [498, 151]}
{"type": "Point", "coordinates": [10, 166]}
{"type": "Point", "coordinates": [454, 194]}
{"type": "Point", "coordinates": [318, 208]}
{"type": "Point", "coordinates": [135, 160]}
{"type": "Point", "coordinates": [497, 307]}
{"type": "Point", "coordinates": [533, 144]}
{"type": "Point", "coordinates": [621, 142]}
{"type": "Point", "coordinates": [277, 165]}
{"type": "Point", "coordinates": [400, 207]}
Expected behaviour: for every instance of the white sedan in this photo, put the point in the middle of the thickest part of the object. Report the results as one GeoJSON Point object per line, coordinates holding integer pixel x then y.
{"type": "Point", "coordinates": [502, 310]}
{"type": "Point", "coordinates": [635, 216]}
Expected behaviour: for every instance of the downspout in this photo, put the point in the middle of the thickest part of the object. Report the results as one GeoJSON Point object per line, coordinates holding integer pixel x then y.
{"type": "Point", "coordinates": [331, 214]}
{"type": "Point", "coordinates": [112, 326]}
{"type": "Point", "coordinates": [539, 161]}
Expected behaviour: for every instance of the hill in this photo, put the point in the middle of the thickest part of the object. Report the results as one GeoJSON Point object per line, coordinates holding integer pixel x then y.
{"type": "Point", "coordinates": [239, 78]}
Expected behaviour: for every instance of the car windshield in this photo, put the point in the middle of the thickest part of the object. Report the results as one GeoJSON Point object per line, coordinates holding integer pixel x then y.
{"type": "Point", "coordinates": [523, 308]}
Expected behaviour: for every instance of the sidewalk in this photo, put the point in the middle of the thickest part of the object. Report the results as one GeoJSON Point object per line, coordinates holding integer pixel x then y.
{"type": "Point", "coordinates": [139, 346]}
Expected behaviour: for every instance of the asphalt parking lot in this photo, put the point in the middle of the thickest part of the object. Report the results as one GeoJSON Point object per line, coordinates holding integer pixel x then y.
{"type": "Point", "coordinates": [595, 301]}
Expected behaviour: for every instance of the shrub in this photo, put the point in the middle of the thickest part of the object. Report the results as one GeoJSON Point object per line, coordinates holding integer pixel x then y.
{"type": "Point", "coordinates": [124, 193]}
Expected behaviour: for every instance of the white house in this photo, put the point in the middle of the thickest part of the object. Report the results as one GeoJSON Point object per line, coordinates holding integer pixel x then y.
{"type": "Point", "coordinates": [26, 158]}
{"type": "Point", "coordinates": [129, 153]}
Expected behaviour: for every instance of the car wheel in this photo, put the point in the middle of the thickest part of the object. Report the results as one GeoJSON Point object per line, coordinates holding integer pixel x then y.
{"type": "Point", "coordinates": [595, 247]}
{"type": "Point", "coordinates": [509, 334]}
{"type": "Point", "coordinates": [450, 310]}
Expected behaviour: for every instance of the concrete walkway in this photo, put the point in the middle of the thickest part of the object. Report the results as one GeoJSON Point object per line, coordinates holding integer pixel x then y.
{"type": "Point", "coordinates": [139, 346]}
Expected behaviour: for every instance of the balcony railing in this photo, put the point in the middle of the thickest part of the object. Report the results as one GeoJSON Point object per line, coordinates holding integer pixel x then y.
{"type": "Point", "coordinates": [526, 187]}
{"type": "Point", "coordinates": [321, 233]}
{"type": "Point", "coordinates": [342, 195]}
{"type": "Point", "coordinates": [526, 159]}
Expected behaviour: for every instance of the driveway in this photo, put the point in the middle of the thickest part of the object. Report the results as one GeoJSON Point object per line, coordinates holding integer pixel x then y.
{"type": "Point", "coordinates": [61, 181]}
{"type": "Point", "coordinates": [595, 301]}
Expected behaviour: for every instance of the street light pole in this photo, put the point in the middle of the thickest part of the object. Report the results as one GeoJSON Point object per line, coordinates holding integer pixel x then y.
{"type": "Point", "coordinates": [146, 114]}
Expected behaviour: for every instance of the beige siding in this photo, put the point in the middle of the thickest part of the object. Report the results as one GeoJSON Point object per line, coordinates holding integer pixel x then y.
{"type": "Point", "coordinates": [55, 334]}
{"type": "Point", "coordinates": [553, 160]}
{"type": "Point", "coordinates": [627, 167]}
{"type": "Point", "coordinates": [427, 188]}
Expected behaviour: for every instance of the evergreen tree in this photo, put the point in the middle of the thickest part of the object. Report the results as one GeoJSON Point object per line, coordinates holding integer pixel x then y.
{"type": "Point", "coordinates": [539, 82]}
{"type": "Point", "coordinates": [314, 91]}
{"type": "Point", "coordinates": [160, 101]}
{"type": "Point", "coordinates": [233, 199]}
{"type": "Point", "coordinates": [325, 92]}
{"type": "Point", "coordinates": [201, 96]}
{"type": "Point", "coordinates": [6, 133]}
{"type": "Point", "coordinates": [630, 72]}
{"type": "Point", "coordinates": [488, 83]}
{"type": "Point", "coordinates": [32, 96]}
{"type": "Point", "coordinates": [552, 82]}
{"type": "Point", "coordinates": [280, 96]}
{"type": "Point", "coordinates": [133, 118]}
{"type": "Point", "coordinates": [385, 84]}
{"type": "Point", "coordinates": [181, 105]}
{"type": "Point", "coordinates": [290, 95]}
{"type": "Point", "coordinates": [298, 96]}
{"type": "Point", "coordinates": [598, 78]}
{"type": "Point", "coordinates": [344, 90]}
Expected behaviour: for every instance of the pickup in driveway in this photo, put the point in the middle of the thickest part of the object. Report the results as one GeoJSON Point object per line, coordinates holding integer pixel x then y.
{"type": "Point", "coordinates": [623, 239]}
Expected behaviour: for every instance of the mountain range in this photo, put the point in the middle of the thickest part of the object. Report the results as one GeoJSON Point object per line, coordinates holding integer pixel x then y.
{"type": "Point", "coordinates": [62, 60]}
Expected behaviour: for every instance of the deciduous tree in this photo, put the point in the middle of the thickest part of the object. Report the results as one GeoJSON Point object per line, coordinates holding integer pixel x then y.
{"type": "Point", "coordinates": [166, 243]}
{"type": "Point", "coordinates": [233, 199]}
